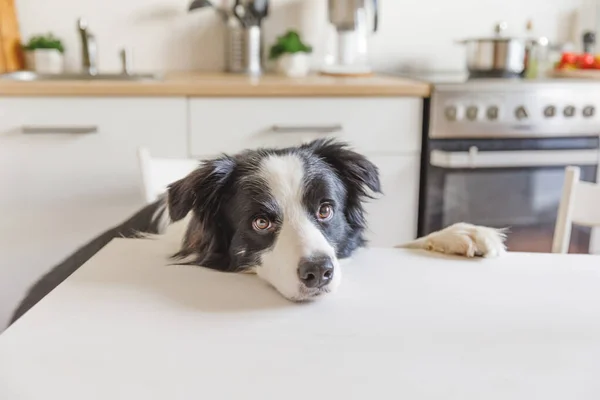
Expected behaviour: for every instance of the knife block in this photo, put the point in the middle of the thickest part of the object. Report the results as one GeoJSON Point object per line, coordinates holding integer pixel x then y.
{"type": "Point", "coordinates": [11, 53]}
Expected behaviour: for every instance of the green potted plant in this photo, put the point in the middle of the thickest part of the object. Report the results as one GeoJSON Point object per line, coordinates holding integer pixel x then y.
{"type": "Point", "coordinates": [44, 54]}
{"type": "Point", "coordinates": [291, 54]}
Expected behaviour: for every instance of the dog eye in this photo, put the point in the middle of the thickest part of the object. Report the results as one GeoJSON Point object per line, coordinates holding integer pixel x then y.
{"type": "Point", "coordinates": [325, 212]}
{"type": "Point", "coordinates": [261, 224]}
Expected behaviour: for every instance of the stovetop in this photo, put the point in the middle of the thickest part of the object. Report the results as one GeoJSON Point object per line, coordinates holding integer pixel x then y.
{"type": "Point", "coordinates": [461, 107]}
{"type": "Point", "coordinates": [444, 80]}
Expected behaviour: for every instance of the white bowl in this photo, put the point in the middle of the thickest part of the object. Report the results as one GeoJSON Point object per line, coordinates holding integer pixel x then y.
{"type": "Point", "coordinates": [294, 65]}
{"type": "Point", "coordinates": [45, 61]}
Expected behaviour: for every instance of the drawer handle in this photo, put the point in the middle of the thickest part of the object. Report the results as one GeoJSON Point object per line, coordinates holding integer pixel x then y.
{"type": "Point", "coordinates": [74, 130]}
{"type": "Point", "coordinates": [314, 128]}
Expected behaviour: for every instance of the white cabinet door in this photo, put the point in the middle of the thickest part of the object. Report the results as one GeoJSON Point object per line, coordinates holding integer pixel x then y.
{"type": "Point", "coordinates": [375, 125]}
{"type": "Point", "coordinates": [68, 171]}
{"type": "Point", "coordinates": [387, 130]}
{"type": "Point", "coordinates": [392, 217]}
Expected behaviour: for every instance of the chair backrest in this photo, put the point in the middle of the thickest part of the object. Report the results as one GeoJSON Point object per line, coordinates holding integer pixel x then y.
{"type": "Point", "coordinates": [580, 205]}
{"type": "Point", "coordinates": [158, 173]}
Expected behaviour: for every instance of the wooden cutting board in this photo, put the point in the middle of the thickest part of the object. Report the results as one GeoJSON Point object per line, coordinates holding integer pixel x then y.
{"type": "Point", "coordinates": [576, 74]}
{"type": "Point", "coordinates": [11, 54]}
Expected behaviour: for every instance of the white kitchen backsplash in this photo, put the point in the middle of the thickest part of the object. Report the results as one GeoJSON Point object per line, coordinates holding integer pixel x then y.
{"type": "Point", "coordinates": [417, 34]}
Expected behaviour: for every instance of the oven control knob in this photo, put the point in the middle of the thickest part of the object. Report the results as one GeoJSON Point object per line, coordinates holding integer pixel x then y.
{"type": "Point", "coordinates": [451, 113]}
{"type": "Point", "coordinates": [589, 111]}
{"type": "Point", "coordinates": [549, 111]}
{"type": "Point", "coordinates": [521, 113]}
{"type": "Point", "coordinates": [471, 113]}
{"type": "Point", "coordinates": [569, 111]}
{"type": "Point", "coordinates": [492, 113]}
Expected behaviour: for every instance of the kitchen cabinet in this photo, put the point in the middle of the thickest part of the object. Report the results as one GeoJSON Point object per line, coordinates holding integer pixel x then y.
{"type": "Point", "coordinates": [386, 130]}
{"type": "Point", "coordinates": [371, 125]}
{"type": "Point", "coordinates": [68, 171]}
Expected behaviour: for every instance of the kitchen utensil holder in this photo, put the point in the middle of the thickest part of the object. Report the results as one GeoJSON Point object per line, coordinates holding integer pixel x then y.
{"type": "Point", "coordinates": [244, 49]}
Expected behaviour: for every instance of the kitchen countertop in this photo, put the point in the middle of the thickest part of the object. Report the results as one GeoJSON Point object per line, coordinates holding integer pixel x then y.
{"type": "Point", "coordinates": [225, 85]}
{"type": "Point", "coordinates": [404, 324]}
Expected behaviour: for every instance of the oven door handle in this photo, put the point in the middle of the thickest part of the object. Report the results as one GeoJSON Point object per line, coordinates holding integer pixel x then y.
{"type": "Point", "coordinates": [512, 159]}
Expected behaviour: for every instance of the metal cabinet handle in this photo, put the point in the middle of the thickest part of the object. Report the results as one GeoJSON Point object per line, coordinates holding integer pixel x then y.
{"type": "Point", "coordinates": [307, 128]}
{"type": "Point", "coordinates": [75, 130]}
{"type": "Point", "coordinates": [513, 158]}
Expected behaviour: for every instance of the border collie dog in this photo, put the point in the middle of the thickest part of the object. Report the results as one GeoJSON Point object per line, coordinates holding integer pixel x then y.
{"type": "Point", "coordinates": [289, 215]}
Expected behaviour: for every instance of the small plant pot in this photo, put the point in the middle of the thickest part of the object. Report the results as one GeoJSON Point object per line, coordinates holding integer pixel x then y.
{"type": "Point", "coordinates": [45, 61]}
{"type": "Point", "coordinates": [294, 65]}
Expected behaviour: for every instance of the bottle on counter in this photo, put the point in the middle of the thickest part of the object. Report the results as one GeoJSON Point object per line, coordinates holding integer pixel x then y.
{"type": "Point", "coordinates": [589, 42]}
{"type": "Point", "coordinates": [539, 62]}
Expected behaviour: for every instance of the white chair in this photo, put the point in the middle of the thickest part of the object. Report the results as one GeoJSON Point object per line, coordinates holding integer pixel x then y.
{"type": "Point", "coordinates": [580, 204]}
{"type": "Point", "coordinates": [158, 173]}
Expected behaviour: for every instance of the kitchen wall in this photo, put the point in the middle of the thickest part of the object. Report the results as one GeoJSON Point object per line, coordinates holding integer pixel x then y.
{"type": "Point", "coordinates": [414, 33]}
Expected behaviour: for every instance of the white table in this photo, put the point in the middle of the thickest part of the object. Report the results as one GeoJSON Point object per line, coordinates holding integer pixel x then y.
{"type": "Point", "coordinates": [404, 325]}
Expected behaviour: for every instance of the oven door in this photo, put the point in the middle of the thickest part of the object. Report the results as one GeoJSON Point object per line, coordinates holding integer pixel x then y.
{"type": "Point", "coordinates": [505, 183]}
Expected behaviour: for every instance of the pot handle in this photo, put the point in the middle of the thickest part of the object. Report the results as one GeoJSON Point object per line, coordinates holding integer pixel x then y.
{"type": "Point", "coordinates": [500, 28]}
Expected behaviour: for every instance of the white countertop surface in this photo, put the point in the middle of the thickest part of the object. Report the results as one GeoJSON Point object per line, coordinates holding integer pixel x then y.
{"type": "Point", "coordinates": [404, 325]}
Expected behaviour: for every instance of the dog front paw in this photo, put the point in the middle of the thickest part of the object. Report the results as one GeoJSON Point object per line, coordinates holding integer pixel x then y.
{"type": "Point", "coordinates": [464, 240]}
{"type": "Point", "coordinates": [468, 240]}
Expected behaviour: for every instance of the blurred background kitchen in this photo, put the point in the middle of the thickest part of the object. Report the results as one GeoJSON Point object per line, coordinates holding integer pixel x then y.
{"type": "Point", "coordinates": [471, 109]}
{"type": "Point", "coordinates": [412, 34]}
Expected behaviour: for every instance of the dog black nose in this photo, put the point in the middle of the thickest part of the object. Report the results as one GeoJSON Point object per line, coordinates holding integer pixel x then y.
{"type": "Point", "coordinates": [315, 272]}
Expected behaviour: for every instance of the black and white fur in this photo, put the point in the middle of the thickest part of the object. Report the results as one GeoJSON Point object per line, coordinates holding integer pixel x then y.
{"type": "Point", "coordinates": [208, 217]}
{"type": "Point", "coordinates": [287, 187]}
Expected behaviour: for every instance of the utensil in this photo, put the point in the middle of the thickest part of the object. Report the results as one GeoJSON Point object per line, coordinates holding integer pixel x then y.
{"type": "Point", "coordinates": [259, 9]}
{"type": "Point", "coordinates": [240, 12]}
{"type": "Point", "coordinates": [251, 12]}
{"type": "Point", "coordinates": [497, 56]}
{"type": "Point", "coordinates": [198, 4]}
{"type": "Point", "coordinates": [243, 41]}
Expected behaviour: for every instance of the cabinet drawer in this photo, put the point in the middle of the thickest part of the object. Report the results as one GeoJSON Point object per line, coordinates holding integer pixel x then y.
{"type": "Point", "coordinates": [61, 148]}
{"type": "Point", "coordinates": [69, 171]}
{"type": "Point", "coordinates": [380, 125]}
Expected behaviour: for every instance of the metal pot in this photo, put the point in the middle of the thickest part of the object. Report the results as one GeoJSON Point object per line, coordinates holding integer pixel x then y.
{"type": "Point", "coordinates": [497, 56]}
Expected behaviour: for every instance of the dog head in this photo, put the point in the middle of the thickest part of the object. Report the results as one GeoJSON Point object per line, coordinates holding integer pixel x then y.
{"type": "Point", "coordinates": [289, 214]}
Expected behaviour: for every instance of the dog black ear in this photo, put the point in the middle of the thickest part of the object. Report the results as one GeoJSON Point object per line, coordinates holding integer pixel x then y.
{"type": "Point", "coordinates": [200, 190]}
{"type": "Point", "coordinates": [204, 192]}
{"type": "Point", "coordinates": [357, 172]}
{"type": "Point", "coordinates": [359, 175]}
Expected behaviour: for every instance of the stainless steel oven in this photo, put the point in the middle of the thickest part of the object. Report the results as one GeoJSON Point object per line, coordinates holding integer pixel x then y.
{"type": "Point", "coordinates": [497, 156]}
{"type": "Point", "coordinates": [506, 183]}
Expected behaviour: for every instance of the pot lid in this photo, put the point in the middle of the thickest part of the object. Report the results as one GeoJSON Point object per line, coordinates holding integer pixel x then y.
{"type": "Point", "coordinates": [499, 30]}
